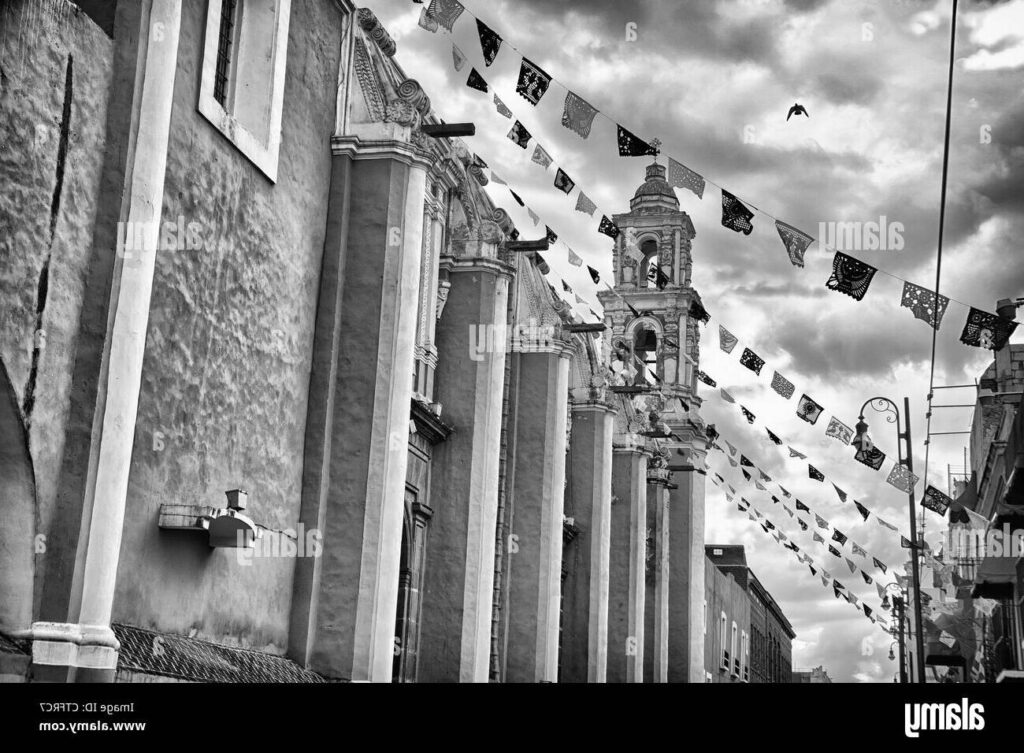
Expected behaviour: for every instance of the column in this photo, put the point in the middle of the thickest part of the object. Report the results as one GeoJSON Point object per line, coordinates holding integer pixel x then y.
{"type": "Point", "coordinates": [356, 457]}
{"type": "Point", "coordinates": [455, 622]}
{"type": "Point", "coordinates": [85, 649]}
{"type": "Point", "coordinates": [626, 591]}
{"type": "Point", "coordinates": [537, 500]}
{"type": "Point", "coordinates": [656, 606]}
{"type": "Point", "coordinates": [589, 502]}
{"type": "Point", "coordinates": [686, 575]}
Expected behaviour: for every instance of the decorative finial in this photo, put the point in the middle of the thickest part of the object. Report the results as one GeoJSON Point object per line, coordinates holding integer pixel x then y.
{"type": "Point", "coordinates": [656, 145]}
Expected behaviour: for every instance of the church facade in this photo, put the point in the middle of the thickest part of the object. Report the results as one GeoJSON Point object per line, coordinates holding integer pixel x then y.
{"type": "Point", "coordinates": [280, 400]}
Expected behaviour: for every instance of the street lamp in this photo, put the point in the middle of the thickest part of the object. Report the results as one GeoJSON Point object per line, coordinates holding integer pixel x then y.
{"type": "Point", "coordinates": [897, 626]}
{"type": "Point", "coordinates": [863, 444]}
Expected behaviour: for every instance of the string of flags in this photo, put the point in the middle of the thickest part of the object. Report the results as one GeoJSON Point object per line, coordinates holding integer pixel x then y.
{"type": "Point", "coordinates": [849, 276]}
{"type": "Point", "coordinates": [852, 277]}
{"type": "Point", "coordinates": [814, 521]}
{"type": "Point", "coordinates": [899, 477]}
{"type": "Point", "coordinates": [817, 571]}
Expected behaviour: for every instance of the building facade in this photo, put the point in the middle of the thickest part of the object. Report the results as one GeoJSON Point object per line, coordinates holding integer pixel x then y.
{"type": "Point", "coordinates": [237, 267]}
{"type": "Point", "coordinates": [818, 675]}
{"type": "Point", "coordinates": [753, 640]}
{"type": "Point", "coordinates": [983, 635]}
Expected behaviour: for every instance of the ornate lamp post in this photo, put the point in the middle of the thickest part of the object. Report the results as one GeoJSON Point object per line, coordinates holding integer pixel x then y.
{"type": "Point", "coordinates": [863, 444]}
{"type": "Point", "coordinates": [897, 629]}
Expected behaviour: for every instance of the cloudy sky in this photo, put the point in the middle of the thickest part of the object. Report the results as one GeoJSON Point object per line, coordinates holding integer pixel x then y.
{"type": "Point", "coordinates": [714, 81]}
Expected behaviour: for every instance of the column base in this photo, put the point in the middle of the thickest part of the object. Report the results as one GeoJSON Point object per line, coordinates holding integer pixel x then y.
{"type": "Point", "coordinates": [68, 652]}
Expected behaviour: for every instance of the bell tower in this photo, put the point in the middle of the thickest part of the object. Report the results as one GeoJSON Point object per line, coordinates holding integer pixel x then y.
{"type": "Point", "coordinates": [653, 353]}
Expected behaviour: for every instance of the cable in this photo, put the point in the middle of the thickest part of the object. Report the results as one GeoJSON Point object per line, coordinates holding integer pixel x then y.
{"type": "Point", "coordinates": [938, 259]}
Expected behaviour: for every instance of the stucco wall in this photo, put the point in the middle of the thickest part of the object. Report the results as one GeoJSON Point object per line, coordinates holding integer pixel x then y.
{"type": "Point", "coordinates": [55, 73]}
{"type": "Point", "coordinates": [226, 372]}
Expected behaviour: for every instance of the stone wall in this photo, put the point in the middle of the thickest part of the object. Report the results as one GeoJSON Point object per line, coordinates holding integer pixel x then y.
{"type": "Point", "coordinates": [226, 374]}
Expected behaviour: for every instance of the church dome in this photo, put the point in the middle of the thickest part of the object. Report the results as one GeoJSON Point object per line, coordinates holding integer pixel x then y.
{"type": "Point", "coordinates": [655, 192]}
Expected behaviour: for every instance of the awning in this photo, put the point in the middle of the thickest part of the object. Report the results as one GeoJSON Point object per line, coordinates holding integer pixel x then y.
{"type": "Point", "coordinates": [996, 578]}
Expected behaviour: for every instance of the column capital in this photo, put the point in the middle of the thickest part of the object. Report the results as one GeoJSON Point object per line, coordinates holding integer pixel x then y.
{"type": "Point", "coordinates": [658, 476]}
{"type": "Point", "coordinates": [631, 442]}
{"type": "Point", "coordinates": [591, 406]}
{"type": "Point", "coordinates": [388, 144]}
{"type": "Point", "coordinates": [476, 264]}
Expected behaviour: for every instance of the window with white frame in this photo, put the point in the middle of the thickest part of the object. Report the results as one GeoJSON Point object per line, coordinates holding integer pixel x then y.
{"type": "Point", "coordinates": [241, 91]}
{"type": "Point", "coordinates": [723, 639]}
{"type": "Point", "coordinates": [735, 652]}
{"type": "Point", "coordinates": [745, 658]}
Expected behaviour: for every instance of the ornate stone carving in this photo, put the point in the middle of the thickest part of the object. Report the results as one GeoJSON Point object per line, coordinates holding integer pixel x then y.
{"type": "Point", "coordinates": [368, 84]}
{"type": "Point", "coordinates": [401, 112]}
{"type": "Point", "coordinates": [371, 25]}
{"type": "Point", "coordinates": [410, 91]}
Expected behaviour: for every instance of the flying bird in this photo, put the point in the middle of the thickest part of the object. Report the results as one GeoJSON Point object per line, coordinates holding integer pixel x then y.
{"type": "Point", "coordinates": [797, 109]}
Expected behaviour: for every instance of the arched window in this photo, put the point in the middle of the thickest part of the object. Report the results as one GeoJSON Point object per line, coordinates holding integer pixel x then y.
{"type": "Point", "coordinates": [649, 248]}
{"type": "Point", "coordinates": [645, 348]}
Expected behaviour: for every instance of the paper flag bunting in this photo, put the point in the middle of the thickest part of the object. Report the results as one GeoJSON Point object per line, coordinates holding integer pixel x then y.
{"type": "Point", "coordinates": [563, 182]}
{"type": "Point", "coordinates": [985, 330]}
{"type": "Point", "coordinates": [833, 551]}
{"type": "Point", "coordinates": [839, 536]}
{"type": "Point", "coordinates": [578, 114]}
{"type": "Point", "coordinates": [701, 376]}
{"type": "Point", "coordinates": [445, 12]}
{"type": "Point", "coordinates": [796, 453]}
{"type": "Point", "coordinates": [498, 179]}
{"type": "Point", "coordinates": [935, 500]}
{"type": "Point", "coordinates": [881, 590]}
{"type": "Point", "coordinates": [608, 227]}
{"type": "Point", "coordinates": [838, 430]}
{"type": "Point", "coordinates": [850, 276]}
{"type": "Point", "coordinates": [631, 145]}
{"type": "Point", "coordinates": [541, 157]}
{"type": "Point", "coordinates": [533, 215]}
{"type": "Point", "coordinates": [808, 410]}
{"type": "Point", "coordinates": [785, 493]}
{"type": "Point", "coordinates": [890, 526]}
{"type": "Point", "coordinates": [519, 135]}
{"type": "Point", "coordinates": [840, 492]}
{"type": "Point", "coordinates": [726, 339]}
{"type": "Point", "coordinates": [795, 241]}
{"type": "Point", "coordinates": [803, 525]}
{"type": "Point", "coordinates": [921, 302]}
{"type": "Point", "coordinates": [533, 82]}
{"type": "Point", "coordinates": [515, 196]}
{"type": "Point", "coordinates": [585, 205]}
{"type": "Point", "coordinates": [427, 21]}
{"type": "Point", "coordinates": [732, 450]}
{"type": "Point", "coordinates": [782, 386]}
{"type": "Point", "coordinates": [747, 415]}
{"type": "Point", "coordinates": [680, 176]}
{"type": "Point", "coordinates": [574, 259]}
{"type": "Point", "coordinates": [873, 458]}
{"type": "Point", "coordinates": [565, 287]}
{"type": "Point", "coordinates": [726, 396]}
{"type": "Point", "coordinates": [905, 543]}
{"type": "Point", "coordinates": [763, 475]}
{"type": "Point", "coordinates": [594, 275]}
{"type": "Point", "coordinates": [822, 523]}
{"type": "Point", "coordinates": [760, 486]}
{"type": "Point", "coordinates": [814, 473]}
{"type": "Point", "coordinates": [802, 507]}
{"type": "Point", "coordinates": [901, 478]}
{"type": "Point", "coordinates": [698, 312]}
{"type": "Point", "coordinates": [580, 300]}
{"type": "Point", "coordinates": [490, 41]}
{"type": "Point", "coordinates": [858, 549]}
{"type": "Point", "coordinates": [852, 565]}
{"type": "Point", "coordinates": [458, 58]}
{"type": "Point", "coordinates": [744, 460]}
{"type": "Point", "coordinates": [551, 235]}
{"type": "Point", "coordinates": [864, 512]}
{"type": "Point", "coordinates": [773, 437]}
{"type": "Point", "coordinates": [824, 581]}
{"type": "Point", "coordinates": [867, 579]}
{"type": "Point", "coordinates": [817, 538]}
{"type": "Point", "coordinates": [476, 81]}
{"type": "Point", "coordinates": [788, 511]}
{"type": "Point", "coordinates": [501, 107]}
{"type": "Point", "coordinates": [751, 360]}
{"type": "Point", "coordinates": [735, 214]}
